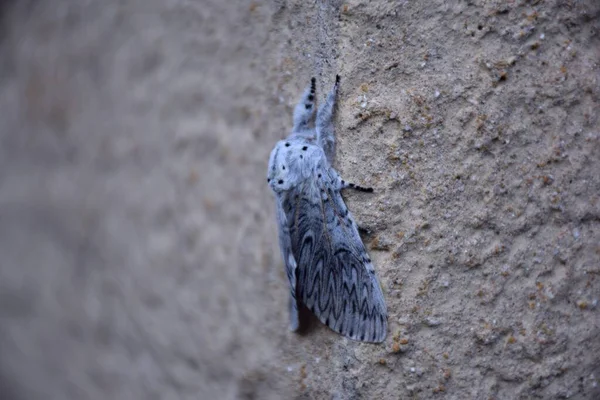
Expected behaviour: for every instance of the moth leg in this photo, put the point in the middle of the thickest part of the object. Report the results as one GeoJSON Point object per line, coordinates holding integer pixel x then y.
{"type": "Point", "coordinates": [359, 188]}
{"type": "Point", "coordinates": [324, 124]}
{"type": "Point", "coordinates": [305, 109]}
{"type": "Point", "coordinates": [285, 243]}
{"type": "Point", "coordinates": [342, 184]}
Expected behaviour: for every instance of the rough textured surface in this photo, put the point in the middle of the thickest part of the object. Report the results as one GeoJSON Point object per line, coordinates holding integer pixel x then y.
{"type": "Point", "coordinates": [138, 246]}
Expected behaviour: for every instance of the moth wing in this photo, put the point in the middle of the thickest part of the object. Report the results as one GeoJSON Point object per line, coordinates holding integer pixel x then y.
{"type": "Point", "coordinates": [285, 244]}
{"type": "Point", "coordinates": [336, 279]}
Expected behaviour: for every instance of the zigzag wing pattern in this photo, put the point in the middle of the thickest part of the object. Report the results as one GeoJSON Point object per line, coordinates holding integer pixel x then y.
{"type": "Point", "coordinates": [335, 277]}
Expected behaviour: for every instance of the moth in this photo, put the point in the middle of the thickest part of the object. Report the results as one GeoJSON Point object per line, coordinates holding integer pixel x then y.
{"type": "Point", "coordinates": [326, 262]}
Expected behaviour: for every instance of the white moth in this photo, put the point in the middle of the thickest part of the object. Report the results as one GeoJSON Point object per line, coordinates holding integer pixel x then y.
{"type": "Point", "coordinates": [327, 265]}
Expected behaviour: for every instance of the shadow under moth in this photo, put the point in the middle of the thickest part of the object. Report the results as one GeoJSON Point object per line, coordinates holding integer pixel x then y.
{"type": "Point", "coordinates": [326, 262]}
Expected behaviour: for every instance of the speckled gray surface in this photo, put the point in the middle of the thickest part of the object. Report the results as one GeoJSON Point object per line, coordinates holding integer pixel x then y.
{"type": "Point", "coordinates": [138, 247]}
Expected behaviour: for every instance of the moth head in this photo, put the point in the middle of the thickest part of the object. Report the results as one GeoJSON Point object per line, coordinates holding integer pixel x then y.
{"type": "Point", "coordinates": [282, 173]}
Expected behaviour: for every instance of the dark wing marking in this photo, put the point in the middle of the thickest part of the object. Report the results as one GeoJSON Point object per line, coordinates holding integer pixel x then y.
{"type": "Point", "coordinates": [335, 277]}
